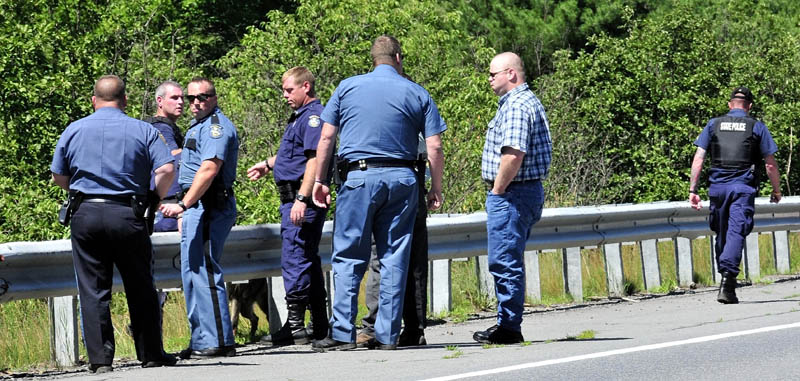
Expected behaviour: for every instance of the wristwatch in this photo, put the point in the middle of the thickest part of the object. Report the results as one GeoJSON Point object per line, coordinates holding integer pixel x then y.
{"type": "Point", "coordinates": [182, 205]}
{"type": "Point", "coordinates": [302, 198]}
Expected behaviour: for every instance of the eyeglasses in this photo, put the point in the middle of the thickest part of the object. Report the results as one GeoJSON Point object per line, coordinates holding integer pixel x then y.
{"type": "Point", "coordinates": [492, 75]}
{"type": "Point", "coordinates": [201, 97]}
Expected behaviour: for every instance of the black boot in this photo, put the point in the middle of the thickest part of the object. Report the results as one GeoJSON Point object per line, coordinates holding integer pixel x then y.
{"type": "Point", "coordinates": [727, 289]}
{"type": "Point", "coordinates": [318, 326]}
{"type": "Point", "coordinates": [294, 331]}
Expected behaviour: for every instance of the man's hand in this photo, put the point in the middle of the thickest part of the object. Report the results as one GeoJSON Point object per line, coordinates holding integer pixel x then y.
{"type": "Point", "coordinates": [298, 213]}
{"type": "Point", "coordinates": [171, 210]}
{"type": "Point", "coordinates": [695, 200]}
{"type": "Point", "coordinates": [321, 195]}
{"type": "Point", "coordinates": [775, 197]}
{"type": "Point", "coordinates": [435, 200]}
{"type": "Point", "coordinates": [257, 171]}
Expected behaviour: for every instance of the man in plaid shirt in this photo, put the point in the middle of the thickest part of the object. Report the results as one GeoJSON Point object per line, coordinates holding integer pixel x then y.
{"type": "Point", "coordinates": [516, 158]}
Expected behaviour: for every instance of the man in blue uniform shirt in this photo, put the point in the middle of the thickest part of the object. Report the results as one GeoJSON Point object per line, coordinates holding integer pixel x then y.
{"type": "Point", "coordinates": [208, 169]}
{"type": "Point", "coordinates": [169, 104]}
{"type": "Point", "coordinates": [737, 142]}
{"type": "Point", "coordinates": [301, 221]}
{"type": "Point", "coordinates": [105, 161]}
{"type": "Point", "coordinates": [378, 116]}
{"type": "Point", "coordinates": [516, 158]}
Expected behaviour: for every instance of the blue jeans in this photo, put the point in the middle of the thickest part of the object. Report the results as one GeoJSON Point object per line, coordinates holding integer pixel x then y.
{"type": "Point", "coordinates": [732, 207]}
{"type": "Point", "coordinates": [509, 219]}
{"type": "Point", "coordinates": [379, 202]}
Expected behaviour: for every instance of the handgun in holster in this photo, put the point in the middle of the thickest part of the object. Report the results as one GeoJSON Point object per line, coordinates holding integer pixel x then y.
{"type": "Point", "coordinates": [340, 169]}
{"type": "Point", "coordinates": [69, 207]}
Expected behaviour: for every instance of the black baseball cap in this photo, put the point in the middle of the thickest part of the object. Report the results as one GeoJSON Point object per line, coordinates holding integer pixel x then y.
{"type": "Point", "coordinates": [742, 92]}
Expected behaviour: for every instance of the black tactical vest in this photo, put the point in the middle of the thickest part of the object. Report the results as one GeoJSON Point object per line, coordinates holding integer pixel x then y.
{"type": "Point", "coordinates": [733, 145]}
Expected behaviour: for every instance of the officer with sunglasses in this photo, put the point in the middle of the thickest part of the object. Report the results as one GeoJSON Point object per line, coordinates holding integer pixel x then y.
{"type": "Point", "coordinates": [207, 171]}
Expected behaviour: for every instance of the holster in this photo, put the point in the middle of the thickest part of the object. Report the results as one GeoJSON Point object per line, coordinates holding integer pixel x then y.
{"type": "Point", "coordinates": [340, 170]}
{"type": "Point", "coordinates": [288, 190]}
{"type": "Point", "coordinates": [69, 207]}
{"type": "Point", "coordinates": [216, 195]}
{"type": "Point", "coordinates": [151, 206]}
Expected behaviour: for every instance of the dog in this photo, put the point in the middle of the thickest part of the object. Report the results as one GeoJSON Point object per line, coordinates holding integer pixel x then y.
{"type": "Point", "coordinates": [242, 297]}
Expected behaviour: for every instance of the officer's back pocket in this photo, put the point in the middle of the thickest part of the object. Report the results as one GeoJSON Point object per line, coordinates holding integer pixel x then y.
{"type": "Point", "coordinates": [352, 183]}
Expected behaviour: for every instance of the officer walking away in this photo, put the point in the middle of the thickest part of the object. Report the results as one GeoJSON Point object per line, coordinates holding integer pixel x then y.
{"type": "Point", "coordinates": [208, 168]}
{"type": "Point", "coordinates": [105, 160]}
{"type": "Point", "coordinates": [415, 304]}
{"type": "Point", "coordinates": [516, 158]}
{"type": "Point", "coordinates": [737, 142]}
{"type": "Point", "coordinates": [294, 168]}
{"type": "Point", "coordinates": [378, 116]}
{"type": "Point", "coordinates": [169, 103]}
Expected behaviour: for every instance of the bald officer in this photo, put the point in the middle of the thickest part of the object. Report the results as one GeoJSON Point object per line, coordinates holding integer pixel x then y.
{"type": "Point", "coordinates": [105, 160]}
{"type": "Point", "coordinates": [208, 168]}
{"type": "Point", "coordinates": [379, 117]}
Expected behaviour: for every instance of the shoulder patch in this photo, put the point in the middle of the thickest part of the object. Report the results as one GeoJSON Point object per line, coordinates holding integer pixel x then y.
{"type": "Point", "coordinates": [161, 136]}
{"type": "Point", "coordinates": [216, 131]}
{"type": "Point", "coordinates": [313, 121]}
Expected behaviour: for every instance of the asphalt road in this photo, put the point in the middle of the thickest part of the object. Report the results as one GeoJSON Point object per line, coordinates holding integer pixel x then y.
{"type": "Point", "coordinates": [676, 337]}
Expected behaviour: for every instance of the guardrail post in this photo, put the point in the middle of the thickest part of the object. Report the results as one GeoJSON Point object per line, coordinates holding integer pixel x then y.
{"type": "Point", "coordinates": [440, 279]}
{"type": "Point", "coordinates": [485, 278]}
{"type": "Point", "coordinates": [683, 261]}
{"type": "Point", "coordinates": [329, 290]}
{"type": "Point", "coordinates": [650, 267]}
{"type": "Point", "coordinates": [712, 241]}
{"type": "Point", "coordinates": [752, 263]}
{"type": "Point", "coordinates": [533, 288]}
{"type": "Point", "coordinates": [277, 304]}
{"type": "Point", "coordinates": [64, 329]}
{"type": "Point", "coordinates": [616, 282]}
{"type": "Point", "coordinates": [780, 241]}
{"type": "Point", "coordinates": [573, 280]}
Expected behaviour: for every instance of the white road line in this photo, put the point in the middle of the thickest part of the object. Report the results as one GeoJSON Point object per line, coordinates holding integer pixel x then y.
{"type": "Point", "coordinates": [614, 352]}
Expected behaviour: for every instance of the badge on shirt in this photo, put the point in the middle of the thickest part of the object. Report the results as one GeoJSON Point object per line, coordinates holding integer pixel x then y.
{"type": "Point", "coordinates": [162, 138]}
{"type": "Point", "coordinates": [216, 131]}
{"type": "Point", "coordinates": [313, 121]}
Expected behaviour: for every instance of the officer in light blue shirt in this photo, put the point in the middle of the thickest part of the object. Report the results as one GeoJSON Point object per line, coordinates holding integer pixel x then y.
{"type": "Point", "coordinates": [208, 169]}
{"type": "Point", "coordinates": [378, 117]}
{"type": "Point", "coordinates": [105, 161]}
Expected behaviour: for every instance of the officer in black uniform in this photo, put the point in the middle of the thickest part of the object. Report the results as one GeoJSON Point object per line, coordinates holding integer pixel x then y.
{"type": "Point", "coordinates": [301, 221]}
{"type": "Point", "coordinates": [105, 161]}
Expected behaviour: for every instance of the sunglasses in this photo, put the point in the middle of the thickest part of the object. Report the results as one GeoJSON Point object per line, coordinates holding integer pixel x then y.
{"type": "Point", "coordinates": [201, 97]}
{"type": "Point", "coordinates": [492, 75]}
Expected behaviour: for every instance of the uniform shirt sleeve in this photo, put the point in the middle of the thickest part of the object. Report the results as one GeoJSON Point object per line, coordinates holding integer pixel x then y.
{"type": "Point", "coordinates": [516, 127]}
{"type": "Point", "coordinates": [213, 141]}
{"type": "Point", "coordinates": [434, 124]}
{"type": "Point", "coordinates": [331, 112]}
{"type": "Point", "coordinates": [768, 146]}
{"type": "Point", "coordinates": [159, 152]}
{"type": "Point", "coordinates": [705, 137]}
{"type": "Point", "coordinates": [311, 134]}
{"type": "Point", "coordinates": [168, 134]}
{"type": "Point", "coordinates": [60, 165]}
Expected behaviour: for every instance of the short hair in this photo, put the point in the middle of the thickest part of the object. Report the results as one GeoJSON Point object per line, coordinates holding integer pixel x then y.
{"type": "Point", "coordinates": [301, 74]}
{"type": "Point", "coordinates": [162, 88]}
{"type": "Point", "coordinates": [110, 88]}
{"type": "Point", "coordinates": [384, 48]}
{"type": "Point", "coordinates": [206, 80]}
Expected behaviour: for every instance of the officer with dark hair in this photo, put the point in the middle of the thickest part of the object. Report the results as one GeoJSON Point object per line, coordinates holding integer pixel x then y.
{"type": "Point", "coordinates": [208, 169]}
{"type": "Point", "coordinates": [169, 107]}
{"type": "Point", "coordinates": [301, 221]}
{"type": "Point", "coordinates": [737, 142]}
{"type": "Point", "coordinates": [105, 161]}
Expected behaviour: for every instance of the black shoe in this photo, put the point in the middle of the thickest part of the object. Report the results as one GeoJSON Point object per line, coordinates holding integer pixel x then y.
{"type": "Point", "coordinates": [188, 353]}
{"type": "Point", "coordinates": [163, 360]}
{"type": "Point", "coordinates": [727, 289]}
{"type": "Point", "coordinates": [409, 338]}
{"type": "Point", "coordinates": [100, 368]}
{"type": "Point", "coordinates": [329, 344]}
{"type": "Point", "coordinates": [287, 335]}
{"type": "Point", "coordinates": [498, 335]}
{"type": "Point", "coordinates": [375, 344]}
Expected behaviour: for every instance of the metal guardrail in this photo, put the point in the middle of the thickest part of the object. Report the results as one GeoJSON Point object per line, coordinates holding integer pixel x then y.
{"type": "Point", "coordinates": [44, 269]}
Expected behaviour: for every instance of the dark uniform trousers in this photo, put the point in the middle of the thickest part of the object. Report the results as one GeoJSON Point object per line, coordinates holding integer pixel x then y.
{"type": "Point", "coordinates": [415, 306]}
{"type": "Point", "coordinates": [104, 235]}
{"type": "Point", "coordinates": [300, 262]}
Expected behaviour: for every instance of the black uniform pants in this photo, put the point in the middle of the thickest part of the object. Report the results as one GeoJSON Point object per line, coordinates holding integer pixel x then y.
{"type": "Point", "coordinates": [104, 235]}
{"type": "Point", "coordinates": [415, 304]}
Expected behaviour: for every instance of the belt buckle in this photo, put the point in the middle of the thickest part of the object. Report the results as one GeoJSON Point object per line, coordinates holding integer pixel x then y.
{"type": "Point", "coordinates": [362, 165]}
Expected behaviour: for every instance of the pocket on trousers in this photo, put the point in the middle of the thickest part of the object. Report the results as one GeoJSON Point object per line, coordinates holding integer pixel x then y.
{"type": "Point", "coordinates": [354, 183]}
{"type": "Point", "coordinates": [407, 181]}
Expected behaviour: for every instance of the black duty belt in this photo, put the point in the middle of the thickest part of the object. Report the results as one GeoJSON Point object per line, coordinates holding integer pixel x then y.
{"type": "Point", "coordinates": [490, 183]}
{"type": "Point", "coordinates": [287, 190]}
{"type": "Point", "coordinates": [108, 199]}
{"type": "Point", "coordinates": [365, 164]}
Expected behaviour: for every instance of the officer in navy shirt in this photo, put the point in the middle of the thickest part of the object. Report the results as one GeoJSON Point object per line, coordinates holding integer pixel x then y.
{"type": "Point", "coordinates": [378, 117]}
{"type": "Point", "coordinates": [737, 142]}
{"type": "Point", "coordinates": [208, 169]}
{"type": "Point", "coordinates": [169, 104]}
{"type": "Point", "coordinates": [106, 160]}
{"type": "Point", "coordinates": [301, 221]}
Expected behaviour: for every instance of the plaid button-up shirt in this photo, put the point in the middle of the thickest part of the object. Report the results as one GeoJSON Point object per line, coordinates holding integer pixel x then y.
{"type": "Point", "coordinates": [520, 123]}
